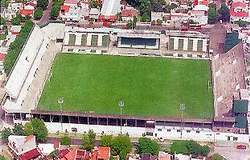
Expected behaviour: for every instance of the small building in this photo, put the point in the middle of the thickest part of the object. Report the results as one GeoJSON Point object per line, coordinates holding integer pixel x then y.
{"type": "Point", "coordinates": [239, 11]}
{"type": "Point", "coordinates": [21, 144]}
{"type": "Point", "coordinates": [101, 153]}
{"type": "Point", "coordinates": [26, 12]}
{"type": "Point", "coordinates": [94, 13]}
{"type": "Point", "coordinates": [15, 30]}
{"type": "Point", "coordinates": [128, 14]}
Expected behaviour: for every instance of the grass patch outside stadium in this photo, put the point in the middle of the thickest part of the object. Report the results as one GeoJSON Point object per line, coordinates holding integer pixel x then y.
{"type": "Point", "coordinates": [148, 86]}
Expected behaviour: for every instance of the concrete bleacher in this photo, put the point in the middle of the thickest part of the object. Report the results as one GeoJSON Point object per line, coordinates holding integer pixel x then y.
{"type": "Point", "coordinates": [228, 71]}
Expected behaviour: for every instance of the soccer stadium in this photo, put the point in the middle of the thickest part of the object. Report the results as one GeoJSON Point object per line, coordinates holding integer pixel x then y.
{"type": "Point", "coordinates": [164, 84]}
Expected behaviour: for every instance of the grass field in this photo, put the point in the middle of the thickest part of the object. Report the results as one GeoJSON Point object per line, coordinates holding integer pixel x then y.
{"type": "Point", "coordinates": [148, 86]}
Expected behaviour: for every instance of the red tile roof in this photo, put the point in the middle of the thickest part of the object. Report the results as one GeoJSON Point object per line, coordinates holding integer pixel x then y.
{"type": "Point", "coordinates": [34, 153]}
{"type": "Point", "coordinates": [26, 12]}
{"type": "Point", "coordinates": [239, 9]}
{"type": "Point", "coordinates": [129, 13]}
{"type": "Point", "coordinates": [65, 8]}
{"type": "Point", "coordinates": [103, 153]}
{"type": "Point", "coordinates": [2, 57]}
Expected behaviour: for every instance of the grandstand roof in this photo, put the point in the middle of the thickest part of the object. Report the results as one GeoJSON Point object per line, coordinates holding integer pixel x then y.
{"type": "Point", "coordinates": [241, 122]}
{"type": "Point", "coordinates": [240, 106]}
{"type": "Point", "coordinates": [24, 63]}
{"type": "Point", "coordinates": [138, 34]}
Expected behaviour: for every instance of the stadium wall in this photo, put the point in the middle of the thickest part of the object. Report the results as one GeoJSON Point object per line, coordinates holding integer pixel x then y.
{"type": "Point", "coordinates": [159, 132]}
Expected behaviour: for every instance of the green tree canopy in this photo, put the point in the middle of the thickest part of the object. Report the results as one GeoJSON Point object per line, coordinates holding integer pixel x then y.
{"type": "Point", "coordinates": [16, 20]}
{"type": "Point", "coordinates": [106, 140]}
{"type": "Point", "coordinates": [38, 13]}
{"type": "Point", "coordinates": [55, 9]}
{"type": "Point", "coordinates": [18, 130]}
{"type": "Point", "coordinates": [189, 147]}
{"type": "Point", "coordinates": [88, 140]}
{"type": "Point", "coordinates": [217, 157]}
{"type": "Point", "coordinates": [147, 145]}
{"type": "Point", "coordinates": [2, 21]}
{"type": "Point", "coordinates": [121, 145]}
{"type": "Point", "coordinates": [5, 133]}
{"type": "Point", "coordinates": [65, 140]}
{"type": "Point", "coordinates": [145, 10]}
{"type": "Point", "coordinates": [2, 157]}
{"type": "Point", "coordinates": [212, 14]}
{"type": "Point", "coordinates": [36, 127]}
{"type": "Point", "coordinates": [224, 13]}
{"type": "Point", "coordinates": [42, 3]}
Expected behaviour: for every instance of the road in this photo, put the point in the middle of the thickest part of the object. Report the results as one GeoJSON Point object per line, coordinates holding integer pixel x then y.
{"type": "Point", "coordinates": [231, 153]}
{"type": "Point", "coordinates": [46, 15]}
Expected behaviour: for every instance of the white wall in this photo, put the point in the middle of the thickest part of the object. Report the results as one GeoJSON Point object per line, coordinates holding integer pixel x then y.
{"type": "Point", "coordinates": [205, 135]}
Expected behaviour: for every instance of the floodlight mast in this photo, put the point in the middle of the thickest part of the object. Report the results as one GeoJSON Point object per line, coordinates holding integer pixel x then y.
{"type": "Point", "coordinates": [60, 101]}
{"type": "Point", "coordinates": [121, 105]}
{"type": "Point", "coordinates": [182, 109]}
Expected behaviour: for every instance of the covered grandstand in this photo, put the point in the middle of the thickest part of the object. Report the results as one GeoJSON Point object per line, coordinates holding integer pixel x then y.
{"type": "Point", "coordinates": [145, 40]}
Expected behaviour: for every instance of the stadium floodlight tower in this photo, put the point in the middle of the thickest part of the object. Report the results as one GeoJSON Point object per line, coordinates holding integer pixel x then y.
{"type": "Point", "coordinates": [182, 109]}
{"type": "Point", "coordinates": [121, 105]}
{"type": "Point", "coordinates": [60, 101]}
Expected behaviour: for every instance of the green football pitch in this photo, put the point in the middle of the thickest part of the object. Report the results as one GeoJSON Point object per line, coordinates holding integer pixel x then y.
{"type": "Point", "coordinates": [148, 86]}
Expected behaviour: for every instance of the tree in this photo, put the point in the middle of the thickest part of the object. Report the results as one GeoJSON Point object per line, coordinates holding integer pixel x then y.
{"type": "Point", "coordinates": [18, 130]}
{"type": "Point", "coordinates": [147, 145]}
{"type": "Point", "coordinates": [88, 140]}
{"type": "Point", "coordinates": [38, 13]}
{"type": "Point", "coordinates": [224, 13]}
{"type": "Point", "coordinates": [145, 10]}
{"type": "Point", "coordinates": [2, 157]}
{"type": "Point", "coordinates": [4, 3]}
{"type": "Point", "coordinates": [121, 145]}
{"type": "Point", "coordinates": [42, 3]}
{"type": "Point", "coordinates": [205, 150]}
{"type": "Point", "coordinates": [16, 20]}
{"type": "Point", "coordinates": [65, 140]}
{"type": "Point", "coordinates": [189, 147]}
{"type": "Point", "coordinates": [212, 14]}
{"type": "Point", "coordinates": [106, 140]}
{"type": "Point", "coordinates": [54, 11]}
{"type": "Point", "coordinates": [5, 133]}
{"type": "Point", "coordinates": [217, 157]}
{"type": "Point", "coordinates": [194, 148]}
{"type": "Point", "coordinates": [2, 21]}
{"type": "Point", "coordinates": [36, 127]}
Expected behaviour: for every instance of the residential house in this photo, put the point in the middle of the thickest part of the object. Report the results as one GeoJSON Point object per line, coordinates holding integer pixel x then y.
{"type": "Point", "coordinates": [94, 13]}
{"type": "Point", "coordinates": [15, 30]}
{"type": "Point", "coordinates": [73, 10]}
{"type": "Point", "coordinates": [98, 153]}
{"type": "Point", "coordinates": [239, 11]}
{"type": "Point", "coordinates": [24, 147]}
{"type": "Point", "coordinates": [128, 13]}
{"type": "Point", "coordinates": [21, 144]}
{"type": "Point", "coordinates": [11, 10]}
{"type": "Point", "coordinates": [101, 153]}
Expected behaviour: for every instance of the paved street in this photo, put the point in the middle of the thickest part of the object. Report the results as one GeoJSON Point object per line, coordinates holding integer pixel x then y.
{"type": "Point", "coordinates": [46, 14]}
{"type": "Point", "coordinates": [231, 153]}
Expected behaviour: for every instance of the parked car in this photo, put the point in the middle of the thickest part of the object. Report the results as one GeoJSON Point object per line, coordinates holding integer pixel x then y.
{"type": "Point", "coordinates": [241, 146]}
